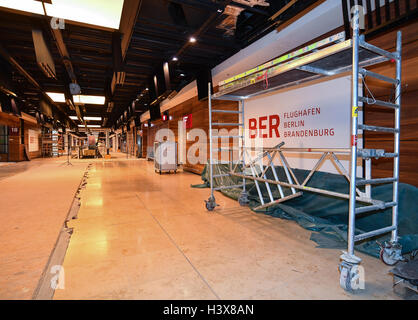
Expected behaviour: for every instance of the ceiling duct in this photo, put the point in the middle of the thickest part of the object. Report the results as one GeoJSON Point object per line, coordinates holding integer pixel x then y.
{"type": "Point", "coordinates": [45, 108]}
{"type": "Point", "coordinates": [230, 22]}
{"type": "Point", "coordinates": [176, 13]}
{"type": "Point", "coordinates": [118, 66]}
{"type": "Point", "coordinates": [110, 106]}
{"type": "Point", "coordinates": [43, 56]}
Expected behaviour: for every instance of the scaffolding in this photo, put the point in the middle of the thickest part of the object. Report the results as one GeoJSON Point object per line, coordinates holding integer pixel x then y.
{"type": "Point", "coordinates": [332, 56]}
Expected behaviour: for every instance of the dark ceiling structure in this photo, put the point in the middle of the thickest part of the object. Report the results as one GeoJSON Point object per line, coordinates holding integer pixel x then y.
{"type": "Point", "coordinates": [121, 64]}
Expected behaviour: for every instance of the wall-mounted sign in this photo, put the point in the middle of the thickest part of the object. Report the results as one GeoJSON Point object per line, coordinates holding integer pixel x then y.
{"type": "Point", "coordinates": [314, 116]}
{"type": "Point", "coordinates": [187, 120]}
{"type": "Point", "coordinates": [33, 143]}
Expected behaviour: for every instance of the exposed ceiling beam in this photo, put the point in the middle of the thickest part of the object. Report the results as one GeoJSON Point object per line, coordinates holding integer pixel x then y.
{"type": "Point", "coordinates": [283, 9]}
{"type": "Point", "coordinates": [65, 56]}
{"type": "Point", "coordinates": [23, 72]}
{"type": "Point", "coordinates": [120, 46]}
{"type": "Point", "coordinates": [204, 5]}
{"type": "Point", "coordinates": [128, 18]}
{"type": "Point", "coordinates": [250, 9]}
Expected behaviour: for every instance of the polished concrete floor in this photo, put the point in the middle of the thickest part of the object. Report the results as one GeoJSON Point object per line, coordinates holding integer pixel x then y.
{"type": "Point", "coordinates": [34, 201]}
{"type": "Point", "coordinates": [141, 235]}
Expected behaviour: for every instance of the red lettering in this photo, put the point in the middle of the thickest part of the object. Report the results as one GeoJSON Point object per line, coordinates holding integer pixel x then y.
{"type": "Point", "coordinates": [252, 125]}
{"type": "Point", "coordinates": [274, 126]}
{"type": "Point", "coordinates": [262, 126]}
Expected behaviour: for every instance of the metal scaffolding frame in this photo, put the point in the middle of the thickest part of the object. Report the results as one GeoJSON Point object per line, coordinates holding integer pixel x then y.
{"type": "Point", "coordinates": [331, 56]}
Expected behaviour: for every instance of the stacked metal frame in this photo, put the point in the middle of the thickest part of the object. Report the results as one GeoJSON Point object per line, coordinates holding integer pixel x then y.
{"type": "Point", "coordinates": [328, 57]}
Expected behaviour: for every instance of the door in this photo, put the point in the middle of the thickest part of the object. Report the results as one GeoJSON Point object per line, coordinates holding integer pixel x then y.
{"type": "Point", "coordinates": [4, 143]}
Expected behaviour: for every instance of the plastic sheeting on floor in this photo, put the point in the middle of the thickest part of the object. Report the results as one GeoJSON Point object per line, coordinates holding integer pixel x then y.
{"type": "Point", "coordinates": [327, 216]}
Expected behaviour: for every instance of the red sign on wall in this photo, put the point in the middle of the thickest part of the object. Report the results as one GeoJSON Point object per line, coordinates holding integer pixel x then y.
{"type": "Point", "coordinates": [187, 120]}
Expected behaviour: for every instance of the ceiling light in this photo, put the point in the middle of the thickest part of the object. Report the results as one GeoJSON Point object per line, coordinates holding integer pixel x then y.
{"type": "Point", "coordinates": [146, 89]}
{"type": "Point", "coordinates": [90, 126]}
{"type": "Point", "coordinates": [174, 59]}
{"type": "Point", "coordinates": [91, 12]}
{"type": "Point", "coordinates": [192, 39]}
{"type": "Point", "coordinates": [93, 118]}
{"type": "Point", "coordinates": [56, 97]}
{"type": "Point", "coordinates": [23, 5]}
{"type": "Point", "coordinates": [182, 74]}
{"type": "Point", "coordinates": [220, 10]}
{"type": "Point", "coordinates": [83, 99]}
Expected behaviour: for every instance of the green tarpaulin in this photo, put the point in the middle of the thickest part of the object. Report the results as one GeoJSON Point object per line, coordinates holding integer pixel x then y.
{"type": "Point", "coordinates": [327, 216]}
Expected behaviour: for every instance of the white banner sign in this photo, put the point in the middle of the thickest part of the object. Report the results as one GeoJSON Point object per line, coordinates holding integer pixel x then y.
{"type": "Point", "coordinates": [314, 116]}
{"type": "Point", "coordinates": [33, 140]}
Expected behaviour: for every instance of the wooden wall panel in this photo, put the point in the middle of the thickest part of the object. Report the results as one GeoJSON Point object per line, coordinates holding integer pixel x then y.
{"type": "Point", "coordinates": [200, 119]}
{"type": "Point", "coordinates": [14, 141]}
{"type": "Point", "coordinates": [379, 116]}
{"type": "Point", "coordinates": [16, 149]}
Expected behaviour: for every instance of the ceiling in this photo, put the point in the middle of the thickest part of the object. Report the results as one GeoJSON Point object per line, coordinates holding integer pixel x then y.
{"type": "Point", "coordinates": [151, 32]}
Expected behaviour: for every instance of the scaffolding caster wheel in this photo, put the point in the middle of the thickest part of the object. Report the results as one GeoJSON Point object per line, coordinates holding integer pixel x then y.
{"type": "Point", "coordinates": [243, 199]}
{"type": "Point", "coordinates": [350, 273]}
{"type": "Point", "coordinates": [211, 204]}
{"type": "Point", "coordinates": [390, 253]}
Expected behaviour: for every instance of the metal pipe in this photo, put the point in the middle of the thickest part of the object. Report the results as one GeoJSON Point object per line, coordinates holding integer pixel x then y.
{"type": "Point", "coordinates": [314, 168]}
{"type": "Point", "coordinates": [228, 187]}
{"type": "Point", "coordinates": [226, 124]}
{"type": "Point", "coordinates": [210, 139]}
{"type": "Point", "coordinates": [368, 175]}
{"type": "Point", "coordinates": [271, 158]}
{"type": "Point", "coordinates": [286, 171]}
{"type": "Point", "coordinates": [311, 150]}
{"type": "Point", "coordinates": [365, 73]}
{"type": "Point", "coordinates": [256, 184]}
{"type": "Point", "coordinates": [376, 50]}
{"type": "Point", "coordinates": [298, 194]}
{"type": "Point", "coordinates": [380, 206]}
{"type": "Point", "coordinates": [305, 188]}
{"type": "Point", "coordinates": [226, 137]}
{"type": "Point", "coordinates": [225, 111]}
{"type": "Point", "coordinates": [375, 181]}
{"type": "Point", "coordinates": [394, 236]}
{"type": "Point", "coordinates": [289, 168]}
{"type": "Point", "coordinates": [378, 102]}
{"type": "Point", "coordinates": [373, 233]}
{"type": "Point", "coordinates": [243, 141]}
{"type": "Point", "coordinates": [354, 130]}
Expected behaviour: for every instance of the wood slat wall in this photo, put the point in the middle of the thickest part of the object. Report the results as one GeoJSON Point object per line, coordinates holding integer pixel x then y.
{"type": "Point", "coordinates": [379, 116]}
{"type": "Point", "coordinates": [16, 149]}
{"type": "Point", "coordinates": [200, 119]}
